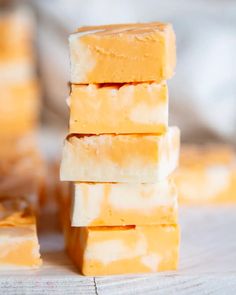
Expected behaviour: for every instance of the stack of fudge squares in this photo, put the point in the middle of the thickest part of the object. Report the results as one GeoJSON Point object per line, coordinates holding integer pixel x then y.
{"type": "Point", "coordinates": [120, 152]}
{"type": "Point", "coordinates": [21, 164]}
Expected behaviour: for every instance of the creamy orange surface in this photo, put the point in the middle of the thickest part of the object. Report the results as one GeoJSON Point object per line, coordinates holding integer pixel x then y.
{"type": "Point", "coordinates": [207, 174]}
{"type": "Point", "coordinates": [127, 108]}
{"type": "Point", "coordinates": [19, 108]}
{"type": "Point", "coordinates": [122, 53]}
{"type": "Point", "coordinates": [120, 250]}
{"type": "Point", "coordinates": [111, 204]}
{"type": "Point", "coordinates": [18, 237]}
{"type": "Point", "coordinates": [120, 158]}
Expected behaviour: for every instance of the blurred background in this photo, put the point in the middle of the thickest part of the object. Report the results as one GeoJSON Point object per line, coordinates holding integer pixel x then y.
{"type": "Point", "coordinates": [34, 85]}
{"type": "Point", "coordinates": [203, 91]}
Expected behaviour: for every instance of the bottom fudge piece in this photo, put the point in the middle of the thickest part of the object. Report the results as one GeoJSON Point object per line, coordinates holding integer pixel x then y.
{"type": "Point", "coordinates": [125, 249]}
{"type": "Point", "coordinates": [112, 204]}
{"type": "Point", "coordinates": [207, 174]}
{"type": "Point", "coordinates": [19, 245]}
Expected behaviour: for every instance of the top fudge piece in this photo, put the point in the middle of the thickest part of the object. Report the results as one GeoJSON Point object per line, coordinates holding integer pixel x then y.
{"type": "Point", "coordinates": [122, 53]}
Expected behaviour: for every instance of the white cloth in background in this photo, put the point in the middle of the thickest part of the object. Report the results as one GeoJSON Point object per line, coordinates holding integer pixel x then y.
{"type": "Point", "coordinates": [203, 91]}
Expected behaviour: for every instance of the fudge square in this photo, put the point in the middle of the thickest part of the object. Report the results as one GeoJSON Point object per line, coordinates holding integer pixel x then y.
{"type": "Point", "coordinates": [207, 174]}
{"type": "Point", "coordinates": [19, 245]}
{"type": "Point", "coordinates": [120, 158]}
{"type": "Point", "coordinates": [112, 204]}
{"type": "Point", "coordinates": [119, 108]}
{"type": "Point", "coordinates": [20, 104]}
{"type": "Point", "coordinates": [125, 249]}
{"type": "Point", "coordinates": [122, 53]}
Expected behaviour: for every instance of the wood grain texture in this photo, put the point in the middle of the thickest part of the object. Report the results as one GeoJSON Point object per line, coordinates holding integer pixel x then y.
{"type": "Point", "coordinates": [207, 264]}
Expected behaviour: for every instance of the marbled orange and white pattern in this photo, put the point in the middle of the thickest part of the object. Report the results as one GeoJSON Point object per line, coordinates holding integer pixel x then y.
{"type": "Point", "coordinates": [121, 109]}
{"type": "Point", "coordinates": [124, 249]}
{"type": "Point", "coordinates": [122, 53]}
{"type": "Point", "coordinates": [112, 204]}
{"type": "Point", "coordinates": [120, 158]}
{"type": "Point", "coordinates": [207, 174]}
{"type": "Point", "coordinates": [19, 245]}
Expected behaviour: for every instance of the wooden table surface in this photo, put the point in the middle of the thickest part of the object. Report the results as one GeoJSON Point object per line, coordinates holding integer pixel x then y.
{"type": "Point", "coordinates": [207, 263]}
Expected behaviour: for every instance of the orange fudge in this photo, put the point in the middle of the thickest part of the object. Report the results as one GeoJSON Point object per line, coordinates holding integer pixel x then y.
{"type": "Point", "coordinates": [19, 108]}
{"type": "Point", "coordinates": [21, 166]}
{"type": "Point", "coordinates": [63, 192]}
{"type": "Point", "coordinates": [16, 50]}
{"type": "Point", "coordinates": [120, 158]}
{"type": "Point", "coordinates": [19, 245]}
{"type": "Point", "coordinates": [112, 204]}
{"type": "Point", "coordinates": [125, 108]}
{"type": "Point", "coordinates": [105, 250]}
{"type": "Point", "coordinates": [122, 53]}
{"type": "Point", "coordinates": [125, 249]}
{"type": "Point", "coordinates": [16, 32]}
{"type": "Point", "coordinates": [207, 174]}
